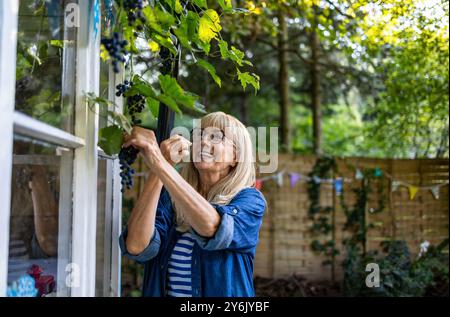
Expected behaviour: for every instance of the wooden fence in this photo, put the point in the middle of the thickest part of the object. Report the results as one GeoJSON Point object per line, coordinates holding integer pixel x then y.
{"type": "Point", "coordinates": [285, 236]}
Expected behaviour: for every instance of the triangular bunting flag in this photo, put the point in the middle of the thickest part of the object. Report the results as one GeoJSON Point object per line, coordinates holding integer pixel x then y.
{"type": "Point", "coordinates": [338, 186]}
{"type": "Point", "coordinates": [413, 191]}
{"type": "Point", "coordinates": [359, 174]}
{"type": "Point", "coordinates": [258, 184]}
{"type": "Point", "coordinates": [394, 185]}
{"type": "Point", "coordinates": [279, 178]}
{"type": "Point", "coordinates": [377, 172]}
{"type": "Point", "coordinates": [295, 177]}
{"type": "Point", "coordinates": [435, 192]}
{"type": "Point", "coordinates": [316, 179]}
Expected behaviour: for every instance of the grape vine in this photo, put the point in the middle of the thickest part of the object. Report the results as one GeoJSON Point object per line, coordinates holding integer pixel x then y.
{"type": "Point", "coordinates": [134, 106]}
{"type": "Point", "coordinates": [116, 49]}
{"type": "Point", "coordinates": [169, 30]}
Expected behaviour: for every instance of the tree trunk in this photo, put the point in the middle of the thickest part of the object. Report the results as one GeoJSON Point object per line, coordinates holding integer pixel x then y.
{"type": "Point", "coordinates": [283, 82]}
{"type": "Point", "coordinates": [166, 116]}
{"type": "Point", "coordinates": [315, 94]}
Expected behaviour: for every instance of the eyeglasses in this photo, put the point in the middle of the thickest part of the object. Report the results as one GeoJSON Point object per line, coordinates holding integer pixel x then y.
{"type": "Point", "coordinates": [211, 135]}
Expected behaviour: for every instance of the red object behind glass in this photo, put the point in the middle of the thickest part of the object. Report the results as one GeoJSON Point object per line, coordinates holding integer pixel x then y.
{"type": "Point", "coordinates": [44, 283]}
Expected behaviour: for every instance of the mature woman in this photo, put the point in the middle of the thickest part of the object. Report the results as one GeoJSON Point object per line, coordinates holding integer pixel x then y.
{"type": "Point", "coordinates": [196, 231]}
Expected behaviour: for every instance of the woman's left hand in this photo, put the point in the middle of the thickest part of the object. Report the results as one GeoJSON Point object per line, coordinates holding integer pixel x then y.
{"type": "Point", "coordinates": [145, 141]}
{"type": "Point", "coordinates": [175, 148]}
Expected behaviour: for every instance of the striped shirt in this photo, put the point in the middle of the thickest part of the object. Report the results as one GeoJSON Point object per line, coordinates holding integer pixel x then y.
{"type": "Point", "coordinates": [179, 279]}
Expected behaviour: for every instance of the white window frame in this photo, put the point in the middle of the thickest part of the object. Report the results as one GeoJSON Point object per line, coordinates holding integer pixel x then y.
{"type": "Point", "coordinates": [83, 142]}
{"type": "Point", "coordinates": [85, 164]}
{"type": "Point", "coordinates": [116, 196]}
{"type": "Point", "coordinates": [113, 197]}
{"type": "Point", "coordinates": [8, 41]}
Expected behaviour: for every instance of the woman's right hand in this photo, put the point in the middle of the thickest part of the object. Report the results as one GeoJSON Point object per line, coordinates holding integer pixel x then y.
{"type": "Point", "coordinates": [145, 141]}
{"type": "Point", "coordinates": [175, 149]}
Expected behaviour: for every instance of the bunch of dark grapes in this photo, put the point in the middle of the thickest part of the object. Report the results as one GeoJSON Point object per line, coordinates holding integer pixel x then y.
{"type": "Point", "coordinates": [135, 106]}
{"type": "Point", "coordinates": [134, 8]}
{"type": "Point", "coordinates": [116, 49]}
{"type": "Point", "coordinates": [122, 88]}
{"type": "Point", "coordinates": [127, 156]}
{"type": "Point", "coordinates": [166, 61]}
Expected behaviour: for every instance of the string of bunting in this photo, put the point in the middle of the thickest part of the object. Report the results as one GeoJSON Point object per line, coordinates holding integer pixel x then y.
{"type": "Point", "coordinates": [338, 182]}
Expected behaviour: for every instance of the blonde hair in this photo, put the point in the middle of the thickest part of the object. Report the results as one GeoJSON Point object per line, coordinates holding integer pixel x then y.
{"type": "Point", "coordinates": [241, 176]}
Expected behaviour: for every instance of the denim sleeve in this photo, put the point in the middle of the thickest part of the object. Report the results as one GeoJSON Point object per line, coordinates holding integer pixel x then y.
{"type": "Point", "coordinates": [240, 223]}
{"type": "Point", "coordinates": [147, 254]}
{"type": "Point", "coordinates": [163, 222]}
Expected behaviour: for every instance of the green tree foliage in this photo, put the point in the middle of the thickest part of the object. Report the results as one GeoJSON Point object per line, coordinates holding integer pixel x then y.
{"type": "Point", "coordinates": [408, 42]}
{"type": "Point", "coordinates": [185, 28]}
{"type": "Point", "coordinates": [383, 67]}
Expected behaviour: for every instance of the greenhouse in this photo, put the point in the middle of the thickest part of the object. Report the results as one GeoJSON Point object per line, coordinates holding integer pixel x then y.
{"type": "Point", "coordinates": [230, 148]}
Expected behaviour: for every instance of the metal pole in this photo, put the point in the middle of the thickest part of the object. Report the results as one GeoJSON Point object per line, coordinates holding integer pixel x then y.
{"type": "Point", "coordinates": [166, 116]}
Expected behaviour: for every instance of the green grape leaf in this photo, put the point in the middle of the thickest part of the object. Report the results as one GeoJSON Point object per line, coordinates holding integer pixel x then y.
{"type": "Point", "coordinates": [57, 43]}
{"type": "Point", "coordinates": [211, 70]}
{"type": "Point", "coordinates": [182, 33]}
{"type": "Point", "coordinates": [236, 55]}
{"type": "Point", "coordinates": [152, 21]}
{"type": "Point", "coordinates": [246, 78]}
{"type": "Point", "coordinates": [175, 5]}
{"type": "Point", "coordinates": [192, 21]}
{"type": "Point", "coordinates": [166, 20]}
{"type": "Point", "coordinates": [166, 42]}
{"type": "Point", "coordinates": [201, 3]}
{"type": "Point", "coordinates": [206, 47]}
{"type": "Point", "coordinates": [128, 35]}
{"type": "Point", "coordinates": [225, 5]}
{"type": "Point", "coordinates": [171, 88]}
{"type": "Point", "coordinates": [170, 102]}
{"type": "Point", "coordinates": [223, 46]}
{"type": "Point", "coordinates": [110, 139]}
{"type": "Point", "coordinates": [178, 7]}
{"type": "Point", "coordinates": [142, 88]}
{"type": "Point", "coordinates": [153, 105]}
{"type": "Point", "coordinates": [209, 26]}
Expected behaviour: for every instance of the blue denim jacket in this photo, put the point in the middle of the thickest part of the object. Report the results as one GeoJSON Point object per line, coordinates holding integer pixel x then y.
{"type": "Point", "coordinates": [222, 266]}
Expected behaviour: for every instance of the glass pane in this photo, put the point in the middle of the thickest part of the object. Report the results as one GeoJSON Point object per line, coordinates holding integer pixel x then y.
{"type": "Point", "coordinates": [104, 228]}
{"type": "Point", "coordinates": [45, 76]}
{"type": "Point", "coordinates": [40, 223]}
{"type": "Point", "coordinates": [107, 78]}
{"type": "Point", "coordinates": [104, 181]}
{"type": "Point", "coordinates": [104, 93]}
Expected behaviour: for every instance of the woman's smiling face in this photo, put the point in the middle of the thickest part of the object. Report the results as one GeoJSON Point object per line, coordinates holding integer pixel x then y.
{"type": "Point", "coordinates": [213, 151]}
